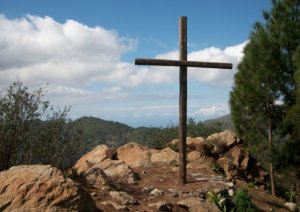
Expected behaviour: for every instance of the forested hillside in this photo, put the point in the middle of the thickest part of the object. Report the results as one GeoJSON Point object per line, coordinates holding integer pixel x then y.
{"type": "Point", "coordinates": [94, 131]}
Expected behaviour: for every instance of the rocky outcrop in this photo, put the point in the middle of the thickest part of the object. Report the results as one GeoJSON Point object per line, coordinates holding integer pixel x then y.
{"type": "Point", "coordinates": [237, 162]}
{"type": "Point", "coordinates": [134, 154]}
{"type": "Point", "coordinates": [123, 197]}
{"type": "Point", "coordinates": [227, 138]}
{"type": "Point", "coordinates": [92, 158]}
{"type": "Point", "coordinates": [218, 143]}
{"type": "Point", "coordinates": [40, 188]}
{"type": "Point", "coordinates": [127, 177]}
{"type": "Point", "coordinates": [194, 156]}
{"type": "Point", "coordinates": [95, 178]}
{"type": "Point", "coordinates": [98, 158]}
{"type": "Point", "coordinates": [166, 155]}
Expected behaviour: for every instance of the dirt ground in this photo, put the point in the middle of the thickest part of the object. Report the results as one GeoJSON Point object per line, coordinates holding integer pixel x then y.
{"type": "Point", "coordinates": [200, 179]}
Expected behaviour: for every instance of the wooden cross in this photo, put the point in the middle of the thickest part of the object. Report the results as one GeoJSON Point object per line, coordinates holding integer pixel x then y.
{"type": "Point", "coordinates": [183, 63]}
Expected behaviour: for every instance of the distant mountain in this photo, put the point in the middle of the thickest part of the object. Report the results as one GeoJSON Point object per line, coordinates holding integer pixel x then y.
{"type": "Point", "coordinates": [94, 131]}
{"type": "Point", "coordinates": [226, 121]}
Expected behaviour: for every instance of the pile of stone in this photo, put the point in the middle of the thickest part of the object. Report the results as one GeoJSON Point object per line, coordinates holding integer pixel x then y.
{"type": "Point", "coordinates": [225, 150]}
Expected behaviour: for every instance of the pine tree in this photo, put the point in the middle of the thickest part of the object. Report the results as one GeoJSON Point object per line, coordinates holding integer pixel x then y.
{"type": "Point", "coordinates": [256, 91]}
{"type": "Point", "coordinates": [265, 86]}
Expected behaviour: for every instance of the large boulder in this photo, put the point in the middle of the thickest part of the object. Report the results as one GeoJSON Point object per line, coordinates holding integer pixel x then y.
{"type": "Point", "coordinates": [134, 154]}
{"type": "Point", "coordinates": [192, 144]}
{"type": "Point", "coordinates": [194, 156]}
{"type": "Point", "coordinates": [92, 158]}
{"type": "Point", "coordinates": [95, 178]}
{"type": "Point", "coordinates": [115, 168]}
{"type": "Point", "coordinates": [98, 158]}
{"type": "Point", "coordinates": [40, 188]}
{"type": "Point", "coordinates": [166, 155]}
{"type": "Point", "coordinates": [238, 162]}
{"type": "Point", "coordinates": [227, 166]}
{"type": "Point", "coordinates": [220, 142]}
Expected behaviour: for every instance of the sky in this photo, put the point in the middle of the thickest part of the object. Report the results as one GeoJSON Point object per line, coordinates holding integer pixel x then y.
{"type": "Point", "coordinates": [82, 53]}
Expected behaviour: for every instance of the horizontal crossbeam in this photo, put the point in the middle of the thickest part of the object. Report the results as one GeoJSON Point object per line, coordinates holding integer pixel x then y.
{"type": "Point", "coordinates": [163, 62]}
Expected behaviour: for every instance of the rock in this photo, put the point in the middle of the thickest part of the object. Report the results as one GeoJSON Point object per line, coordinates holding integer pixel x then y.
{"type": "Point", "coordinates": [95, 178]}
{"type": "Point", "coordinates": [230, 192]}
{"type": "Point", "coordinates": [193, 144]}
{"type": "Point", "coordinates": [229, 184]}
{"type": "Point", "coordinates": [40, 188]}
{"type": "Point", "coordinates": [227, 166]}
{"type": "Point", "coordinates": [291, 206]}
{"type": "Point", "coordinates": [173, 193]}
{"type": "Point", "coordinates": [227, 138]}
{"type": "Point", "coordinates": [245, 163]}
{"type": "Point", "coordinates": [196, 205]}
{"type": "Point", "coordinates": [238, 155]}
{"type": "Point", "coordinates": [114, 168]}
{"type": "Point", "coordinates": [133, 178]}
{"type": "Point", "coordinates": [157, 192]}
{"type": "Point", "coordinates": [166, 155]}
{"type": "Point", "coordinates": [115, 205]}
{"type": "Point", "coordinates": [134, 154]}
{"type": "Point", "coordinates": [194, 156]}
{"type": "Point", "coordinates": [123, 197]}
{"type": "Point", "coordinates": [148, 189]}
{"type": "Point", "coordinates": [158, 204]}
{"type": "Point", "coordinates": [91, 159]}
{"type": "Point", "coordinates": [106, 188]}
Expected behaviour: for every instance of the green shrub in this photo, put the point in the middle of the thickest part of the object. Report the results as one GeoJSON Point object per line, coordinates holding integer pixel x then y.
{"type": "Point", "coordinates": [71, 173]}
{"type": "Point", "coordinates": [216, 168]}
{"type": "Point", "coordinates": [290, 196]}
{"type": "Point", "coordinates": [242, 201]}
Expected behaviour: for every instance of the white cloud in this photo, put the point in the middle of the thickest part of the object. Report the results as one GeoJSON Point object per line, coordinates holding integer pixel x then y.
{"type": "Point", "coordinates": [37, 48]}
{"type": "Point", "coordinates": [211, 111]}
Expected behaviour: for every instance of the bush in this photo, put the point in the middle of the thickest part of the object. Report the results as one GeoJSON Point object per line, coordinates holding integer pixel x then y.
{"type": "Point", "coordinates": [33, 132]}
{"type": "Point", "coordinates": [242, 201]}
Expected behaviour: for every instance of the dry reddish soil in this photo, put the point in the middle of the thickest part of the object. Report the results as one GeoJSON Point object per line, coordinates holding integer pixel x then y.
{"type": "Point", "coordinates": [164, 177]}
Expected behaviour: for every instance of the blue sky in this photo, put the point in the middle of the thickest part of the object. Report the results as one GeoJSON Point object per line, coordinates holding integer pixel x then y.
{"type": "Point", "coordinates": [85, 50]}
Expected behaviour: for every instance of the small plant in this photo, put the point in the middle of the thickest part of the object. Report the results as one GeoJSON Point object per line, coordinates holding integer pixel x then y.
{"type": "Point", "coordinates": [213, 197]}
{"type": "Point", "coordinates": [71, 173]}
{"type": "Point", "coordinates": [216, 199]}
{"type": "Point", "coordinates": [242, 201]}
{"type": "Point", "coordinates": [290, 196]}
{"type": "Point", "coordinates": [251, 185]}
{"type": "Point", "coordinates": [216, 168]}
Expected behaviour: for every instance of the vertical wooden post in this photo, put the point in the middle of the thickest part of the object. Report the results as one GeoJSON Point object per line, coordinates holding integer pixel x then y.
{"type": "Point", "coordinates": [182, 99]}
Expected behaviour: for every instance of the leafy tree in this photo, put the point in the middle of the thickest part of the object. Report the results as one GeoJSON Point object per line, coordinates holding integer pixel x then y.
{"type": "Point", "coordinates": [18, 109]}
{"type": "Point", "coordinates": [32, 131]}
{"type": "Point", "coordinates": [264, 89]}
